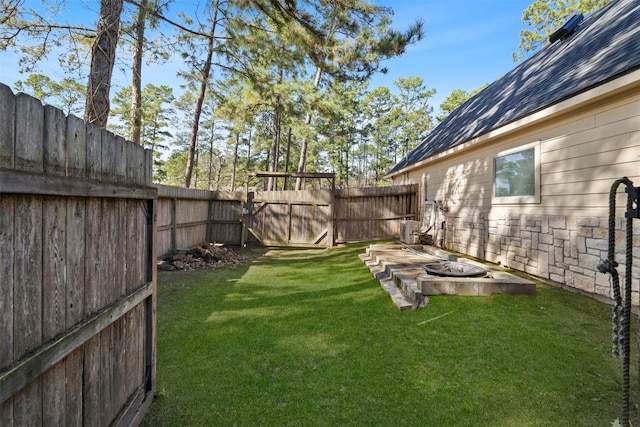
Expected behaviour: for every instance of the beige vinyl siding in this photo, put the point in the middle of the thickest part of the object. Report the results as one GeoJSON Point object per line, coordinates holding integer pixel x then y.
{"type": "Point", "coordinates": [579, 167]}
{"type": "Point", "coordinates": [466, 181]}
{"type": "Point", "coordinates": [577, 159]}
{"type": "Point", "coordinates": [582, 152]}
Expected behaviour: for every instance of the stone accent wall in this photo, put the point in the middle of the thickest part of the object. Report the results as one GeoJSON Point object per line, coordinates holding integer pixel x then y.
{"type": "Point", "coordinates": [467, 234]}
{"type": "Point", "coordinates": [562, 249]}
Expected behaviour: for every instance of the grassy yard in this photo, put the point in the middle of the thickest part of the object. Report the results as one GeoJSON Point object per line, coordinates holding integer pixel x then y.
{"type": "Point", "coordinates": [309, 338]}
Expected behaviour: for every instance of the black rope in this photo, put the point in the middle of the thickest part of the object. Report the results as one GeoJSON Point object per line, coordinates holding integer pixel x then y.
{"type": "Point", "coordinates": [621, 314]}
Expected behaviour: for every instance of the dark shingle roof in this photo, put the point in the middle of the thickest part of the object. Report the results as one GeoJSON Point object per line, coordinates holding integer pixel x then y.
{"type": "Point", "coordinates": [605, 46]}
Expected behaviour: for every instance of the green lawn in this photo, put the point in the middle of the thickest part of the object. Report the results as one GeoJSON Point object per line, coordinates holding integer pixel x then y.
{"type": "Point", "coordinates": [309, 338]}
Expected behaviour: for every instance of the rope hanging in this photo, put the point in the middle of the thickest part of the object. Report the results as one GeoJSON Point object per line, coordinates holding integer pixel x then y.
{"type": "Point", "coordinates": [621, 314]}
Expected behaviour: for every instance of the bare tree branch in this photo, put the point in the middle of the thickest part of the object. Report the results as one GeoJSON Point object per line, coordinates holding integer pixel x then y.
{"type": "Point", "coordinates": [153, 12]}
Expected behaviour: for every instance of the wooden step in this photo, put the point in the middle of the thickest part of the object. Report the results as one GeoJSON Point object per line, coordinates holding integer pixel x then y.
{"type": "Point", "coordinates": [396, 295]}
{"type": "Point", "coordinates": [402, 289]}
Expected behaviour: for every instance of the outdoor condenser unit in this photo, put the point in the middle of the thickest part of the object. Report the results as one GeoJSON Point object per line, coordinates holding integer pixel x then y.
{"type": "Point", "coordinates": [409, 232]}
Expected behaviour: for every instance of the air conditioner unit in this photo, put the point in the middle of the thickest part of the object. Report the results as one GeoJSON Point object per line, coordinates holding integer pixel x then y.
{"type": "Point", "coordinates": [409, 232]}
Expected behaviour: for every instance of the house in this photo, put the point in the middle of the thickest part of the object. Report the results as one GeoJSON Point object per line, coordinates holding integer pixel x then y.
{"type": "Point", "coordinates": [521, 172]}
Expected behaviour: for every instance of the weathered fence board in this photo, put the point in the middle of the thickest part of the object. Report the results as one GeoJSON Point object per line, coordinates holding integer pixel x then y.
{"type": "Point", "coordinates": [291, 218]}
{"type": "Point", "coordinates": [77, 270]}
{"type": "Point", "coordinates": [226, 215]}
{"type": "Point", "coordinates": [76, 155]}
{"type": "Point", "coordinates": [7, 204]}
{"type": "Point", "coordinates": [27, 270]}
{"type": "Point", "coordinates": [28, 147]}
{"type": "Point", "coordinates": [189, 217]}
{"type": "Point", "coordinates": [7, 131]}
{"type": "Point", "coordinates": [281, 218]}
{"type": "Point", "coordinates": [373, 213]}
{"type": "Point", "coordinates": [54, 216]}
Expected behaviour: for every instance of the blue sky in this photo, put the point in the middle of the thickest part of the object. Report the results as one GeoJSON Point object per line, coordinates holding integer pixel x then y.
{"type": "Point", "coordinates": [467, 43]}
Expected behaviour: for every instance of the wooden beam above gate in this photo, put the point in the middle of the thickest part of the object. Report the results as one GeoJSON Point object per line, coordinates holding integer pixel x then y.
{"type": "Point", "coordinates": [311, 175]}
{"type": "Point", "coordinates": [292, 175]}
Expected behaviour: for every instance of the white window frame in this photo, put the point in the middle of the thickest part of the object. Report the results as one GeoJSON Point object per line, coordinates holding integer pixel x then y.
{"type": "Point", "coordinates": [510, 200]}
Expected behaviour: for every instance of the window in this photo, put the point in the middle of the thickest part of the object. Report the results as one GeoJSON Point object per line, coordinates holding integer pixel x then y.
{"type": "Point", "coordinates": [516, 176]}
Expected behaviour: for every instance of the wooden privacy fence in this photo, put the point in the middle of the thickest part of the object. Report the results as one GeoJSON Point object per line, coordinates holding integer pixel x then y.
{"type": "Point", "coordinates": [319, 218]}
{"type": "Point", "coordinates": [77, 271]}
{"type": "Point", "coordinates": [189, 217]}
{"type": "Point", "coordinates": [78, 247]}
{"type": "Point", "coordinates": [290, 218]}
{"type": "Point", "coordinates": [374, 213]}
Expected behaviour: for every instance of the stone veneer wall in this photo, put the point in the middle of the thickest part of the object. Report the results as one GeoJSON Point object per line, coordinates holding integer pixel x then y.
{"type": "Point", "coordinates": [562, 249]}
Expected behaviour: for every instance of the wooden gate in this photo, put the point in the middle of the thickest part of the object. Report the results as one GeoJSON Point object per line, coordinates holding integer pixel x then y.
{"type": "Point", "coordinates": [321, 218]}
{"type": "Point", "coordinates": [290, 218]}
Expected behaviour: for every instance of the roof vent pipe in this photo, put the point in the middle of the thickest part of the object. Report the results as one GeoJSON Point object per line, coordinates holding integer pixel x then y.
{"type": "Point", "coordinates": [567, 29]}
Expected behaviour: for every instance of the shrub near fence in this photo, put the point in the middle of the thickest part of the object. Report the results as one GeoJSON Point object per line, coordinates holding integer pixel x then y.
{"type": "Point", "coordinates": [77, 270]}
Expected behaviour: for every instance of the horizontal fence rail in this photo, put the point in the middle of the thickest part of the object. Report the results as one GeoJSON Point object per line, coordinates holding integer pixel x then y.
{"type": "Point", "coordinates": [188, 217]}
{"type": "Point", "coordinates": [316, 218]}
{"type": "Point", "coordinates": [373, 213]}
{"type": "Point", "coordinates": [81, 228]}
{"type": "Point", "coordinates": [77, 270]}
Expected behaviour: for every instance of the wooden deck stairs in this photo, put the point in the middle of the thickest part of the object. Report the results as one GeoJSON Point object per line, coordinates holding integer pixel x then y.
{"type": "Point", "coordinates": [396, 270]}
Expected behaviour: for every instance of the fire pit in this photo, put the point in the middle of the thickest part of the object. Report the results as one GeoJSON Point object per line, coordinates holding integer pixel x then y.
{"type": "Point", "coordinates": [454, 269]}
{"type": "Point", "coordinates": [410, 274]}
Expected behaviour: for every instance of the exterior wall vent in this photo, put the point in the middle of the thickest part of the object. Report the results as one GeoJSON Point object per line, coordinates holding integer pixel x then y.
{"type": "Point", "coordinates": [567, 29]}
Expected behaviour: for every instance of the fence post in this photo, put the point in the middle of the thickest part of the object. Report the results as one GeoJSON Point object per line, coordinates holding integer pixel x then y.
{"type": "Point", "coordinates": [247, 212]}
{"type": "Point", "coordinates": [209, 220]}
{"type": "Point", "coordinates": [174, 243]}
{"type": "Point", "coordinates": [151, 276]}
{"type": "Point", "coordinates": [332, 215]}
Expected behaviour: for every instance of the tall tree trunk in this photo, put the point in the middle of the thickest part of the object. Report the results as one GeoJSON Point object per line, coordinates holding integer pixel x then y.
{"type": "Point", "coordinates": [195, 167]}
{"type": "Point", "coordinates": [218, 175]}
{"type": "Point", "coordinates": [275, 144]}
{"type": "Point", "coordinates": [304, 145]}
{"type": "Point", "coordinates": [204, 83]}
{"type": "Point", "coordinates": [266, 167]}
{"type": "Point", "coordinates": [136, 78]}
{"type": "Point", "coordinates": [103, 55]}
{"type": "Point", "coordinates": [364, 166]}
{"type": "Point", "coordinates": [249, 152]}
{"type": "Point", "coordinates": [210, 174]}
{"type": "Point", "coordinates": [235, 163]}
{"type": "Point", "coordinates": [286, 161]}
{"type": "Point", "coordinates": [346, 160]}
{"type": "Point", "coordinates": [378, 156]}
{"type": "Point", "coordinates": [275, 150]}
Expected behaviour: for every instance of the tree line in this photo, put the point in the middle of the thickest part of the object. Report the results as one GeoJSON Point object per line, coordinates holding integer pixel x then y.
{"type": "Point", "coordinates": [275, 85]}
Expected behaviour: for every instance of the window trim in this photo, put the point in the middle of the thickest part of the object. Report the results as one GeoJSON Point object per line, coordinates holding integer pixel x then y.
{"type": "Point", "coordinates": [511, 200]}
